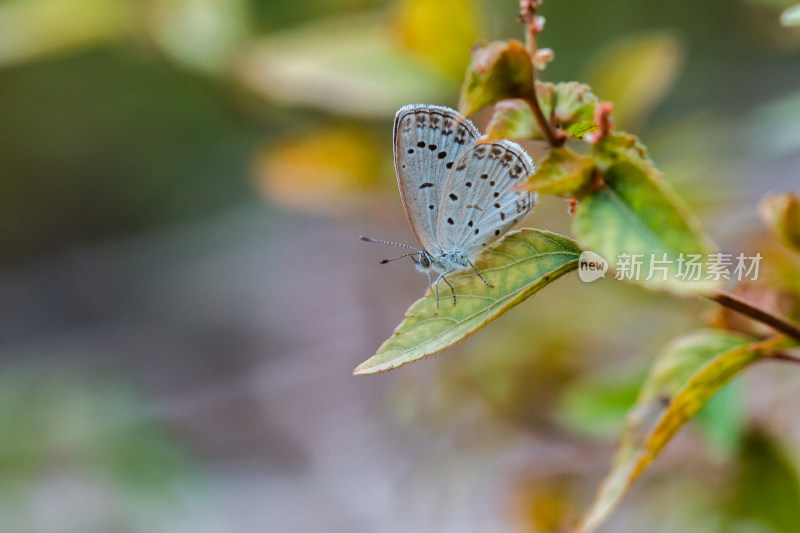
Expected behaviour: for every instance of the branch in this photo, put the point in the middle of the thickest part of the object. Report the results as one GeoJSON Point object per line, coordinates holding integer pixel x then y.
{"type": "Point", "coordinates": [534, 25]}
{"type": "Point", "coordinates": [758, 314]}
{"type": "Point", "coordinates": [784, 357]}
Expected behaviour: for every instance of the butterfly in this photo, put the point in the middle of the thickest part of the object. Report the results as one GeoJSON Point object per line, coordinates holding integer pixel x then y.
{"type": "Point", "coordinates": [457, 191]}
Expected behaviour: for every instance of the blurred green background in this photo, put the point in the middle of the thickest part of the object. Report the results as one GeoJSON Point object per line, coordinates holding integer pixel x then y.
{"type": "Point", "coordinates": [183, 295]}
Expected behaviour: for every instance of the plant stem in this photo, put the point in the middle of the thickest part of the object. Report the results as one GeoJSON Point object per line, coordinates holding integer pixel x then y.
{"type": "Point", "coordinates": [758, 314]}
{"type": "Point", "coordinates": [784, 357]}
{"type": "Point", "coordinates": [528, 16]}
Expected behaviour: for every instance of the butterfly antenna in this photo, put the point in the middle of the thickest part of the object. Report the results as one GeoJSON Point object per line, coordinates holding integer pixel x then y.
{"type": "Point", "coordinates": [384, 261]}
{"type": "Point", "coordinates": [378, 241]}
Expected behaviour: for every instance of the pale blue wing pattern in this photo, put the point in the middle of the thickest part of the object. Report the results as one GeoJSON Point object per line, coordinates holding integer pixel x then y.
{"type": "Point", "coordinates": [428, 141]}
{"type": "Point", "coordinates": [478, 205]}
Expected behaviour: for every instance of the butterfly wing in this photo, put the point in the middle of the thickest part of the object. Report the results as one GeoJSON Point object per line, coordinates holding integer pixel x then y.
{"type": "Point", "coordinates": [478, 205]}
{"type": "Point", "coordinates": [428, 140]}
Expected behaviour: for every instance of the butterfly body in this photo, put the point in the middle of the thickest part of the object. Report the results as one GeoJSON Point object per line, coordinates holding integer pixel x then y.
{"type": "Point", "coordinates": [458, 192]}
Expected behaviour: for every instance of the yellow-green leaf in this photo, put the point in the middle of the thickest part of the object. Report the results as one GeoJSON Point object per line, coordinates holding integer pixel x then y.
{"type": "Point", "coordinates": [518, 266]}
{"type": "Point", "coordinates": [499, 70]}
{"type": "Point", "coordinates": [638, 223]}
{"type": "Point", "coordinates": [636, 74]}
{"type": "Point", "coordinates": [781, 213]}
{"type": "Point", "coordinates": [563, 172]}
{"type": "Point", "coordinates": [720, 356]}
{"type": "Point", "coordinates": [791, 17]}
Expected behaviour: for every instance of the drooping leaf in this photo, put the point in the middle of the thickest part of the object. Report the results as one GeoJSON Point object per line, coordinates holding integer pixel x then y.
{"type": "Point", "coordinates": [512, 119]}
{"type": "Point", "coordinates": [438, 31]}
{"type": "Point", "coordinates": [563, 172]}
{"type": "Point", "coordinates": [781, 214]}
{"type": "Point", "coordinates": [636, 74]}
{"type": "Point", "coordinates": [791, 17]}
{"type": "Point", "coordinates": [636, 222]}
{"type": "Point", "coordinates": [707, 360]}
{"type": "Point", "coordinates": [346, 66]}
{"type": "Point", "coordinates": [767, 488]}
{"type": "Point", "coordinates": [518, 266]}
{"type": "Point", "coordinates": [499, 70]}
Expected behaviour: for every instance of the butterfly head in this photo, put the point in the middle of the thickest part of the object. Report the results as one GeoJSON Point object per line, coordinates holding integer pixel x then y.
{"type": "Point", "coordinates": [424, 262]}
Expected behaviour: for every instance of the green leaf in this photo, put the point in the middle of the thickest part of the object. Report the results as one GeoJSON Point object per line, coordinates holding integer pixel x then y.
{"type": "Point", "coordinates": [636, 74]}
{"type": "Point", "coordinates": [791, 17]}
{"type": "Point", "coordinates": [781, 214]}
{"type": "Point", "coordinates": [579, 129]}
{"type": "Point", "coordinates": [563, 172]}
{"type": "Point", "coordinates": [518, 266]}
{"type": "Point", "coordinates": [711, 359]}
{"type": "Point", "coordinates": [498, 71]}
{"type": "Point", "coordinates": [635, 213]}
{"type": "Point", "coordinates": [767, 488]}
{"type": "Point", "coordinates": [513, 119]}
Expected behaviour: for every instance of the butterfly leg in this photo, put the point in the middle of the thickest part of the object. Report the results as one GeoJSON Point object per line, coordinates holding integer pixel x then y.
{"type": "Point", "coordinates": [479, 275]}
{"type": "Point", "coordinates": [436, 286]}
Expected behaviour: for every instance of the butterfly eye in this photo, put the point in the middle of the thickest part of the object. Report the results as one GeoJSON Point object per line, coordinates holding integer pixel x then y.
{"type": "Point", "coordinates": [424, 261]}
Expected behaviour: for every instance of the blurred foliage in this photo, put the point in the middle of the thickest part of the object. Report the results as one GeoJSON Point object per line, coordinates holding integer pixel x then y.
{"type": "Point", "coordinates": [307, 172]}
{"type": "Point", "coordinates": [791, 17]}
{"type": "Point", "coordinates": [56, 420]}
{"type": "Point", "coordinates": [32, 29]}
{"type": "Point", "coordinates": [438, 31]}
{"type": "Point", "coordinates": [199, 34]}
{"type": "Point", "coordinates": [636, 73]}
{"type": "Point", "coordinates": [781, 214]}
{"type": "Point", "coordinates": [766, 491]}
